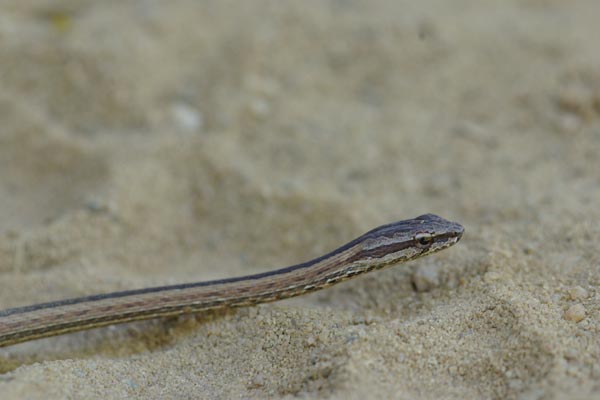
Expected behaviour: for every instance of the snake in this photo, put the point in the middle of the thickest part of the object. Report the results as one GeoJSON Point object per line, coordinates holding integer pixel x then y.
{"type": "Point", "coordinates": [383, 246]}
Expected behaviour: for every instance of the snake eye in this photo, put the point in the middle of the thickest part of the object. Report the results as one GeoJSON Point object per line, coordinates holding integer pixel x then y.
{"type": "Point", "coordinates": [423, 240]}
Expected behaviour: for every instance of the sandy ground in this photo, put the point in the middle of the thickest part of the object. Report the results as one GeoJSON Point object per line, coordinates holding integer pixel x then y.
{"type": "Point", "coordinates": [147, 143]}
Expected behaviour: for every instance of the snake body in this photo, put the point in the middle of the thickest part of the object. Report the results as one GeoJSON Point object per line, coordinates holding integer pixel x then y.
{"type": "Point", "coordinates": [386, 245]}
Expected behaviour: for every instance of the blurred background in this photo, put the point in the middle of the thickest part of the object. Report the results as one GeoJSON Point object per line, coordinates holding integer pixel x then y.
{"type": "Point", "coordinates": [152, 142]}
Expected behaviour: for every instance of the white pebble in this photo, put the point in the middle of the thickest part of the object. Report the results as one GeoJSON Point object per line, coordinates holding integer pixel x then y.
{"type": "Point", "coordinates": [491, 276]}
{"type": "Point", "coordinates": [260, 108]}
{"type": "Point", "coordinates": [186, 116]}
{"type": "Point", "coordinates": [577, 293]}
{"type": "Point", "coordinates": [575, 313]}
{"type": "Point", "coordinates": [426, 277]}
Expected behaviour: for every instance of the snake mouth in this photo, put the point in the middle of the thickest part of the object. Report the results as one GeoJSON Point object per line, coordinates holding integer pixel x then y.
{"type": "Point", "coordinates": [459, 235]}
{"type": "Point", "coordinates": [458, 231]}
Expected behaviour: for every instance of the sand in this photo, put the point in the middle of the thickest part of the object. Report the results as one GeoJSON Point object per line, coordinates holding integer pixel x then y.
{"type": "Point", "coordinates": [149, 143]}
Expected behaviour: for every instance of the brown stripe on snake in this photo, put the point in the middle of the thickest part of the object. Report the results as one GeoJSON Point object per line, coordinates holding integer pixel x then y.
{"type": "Point", "coordinates": [388, 244]}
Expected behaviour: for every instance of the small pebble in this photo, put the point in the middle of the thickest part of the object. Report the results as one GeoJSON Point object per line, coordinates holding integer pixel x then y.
{"type": "Point", "coordinates": [260, 108]}
{"type": "Point", "coordinates": [516, 384]}
{"type": "Point", "coordinates": [256, 382]}
{"type": "Point", "coordinates": [491, 276]}
{"type": "Point", "coordinates": [577, 293]}
{"type": "Point", "coordinates": [186, 116]}
{"type": "Point", "coordinates": [575, 313]}
{"type": "Point", "coordinates": [570, 354]}
{"type": "Point", "coordinates": [426, 277]}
